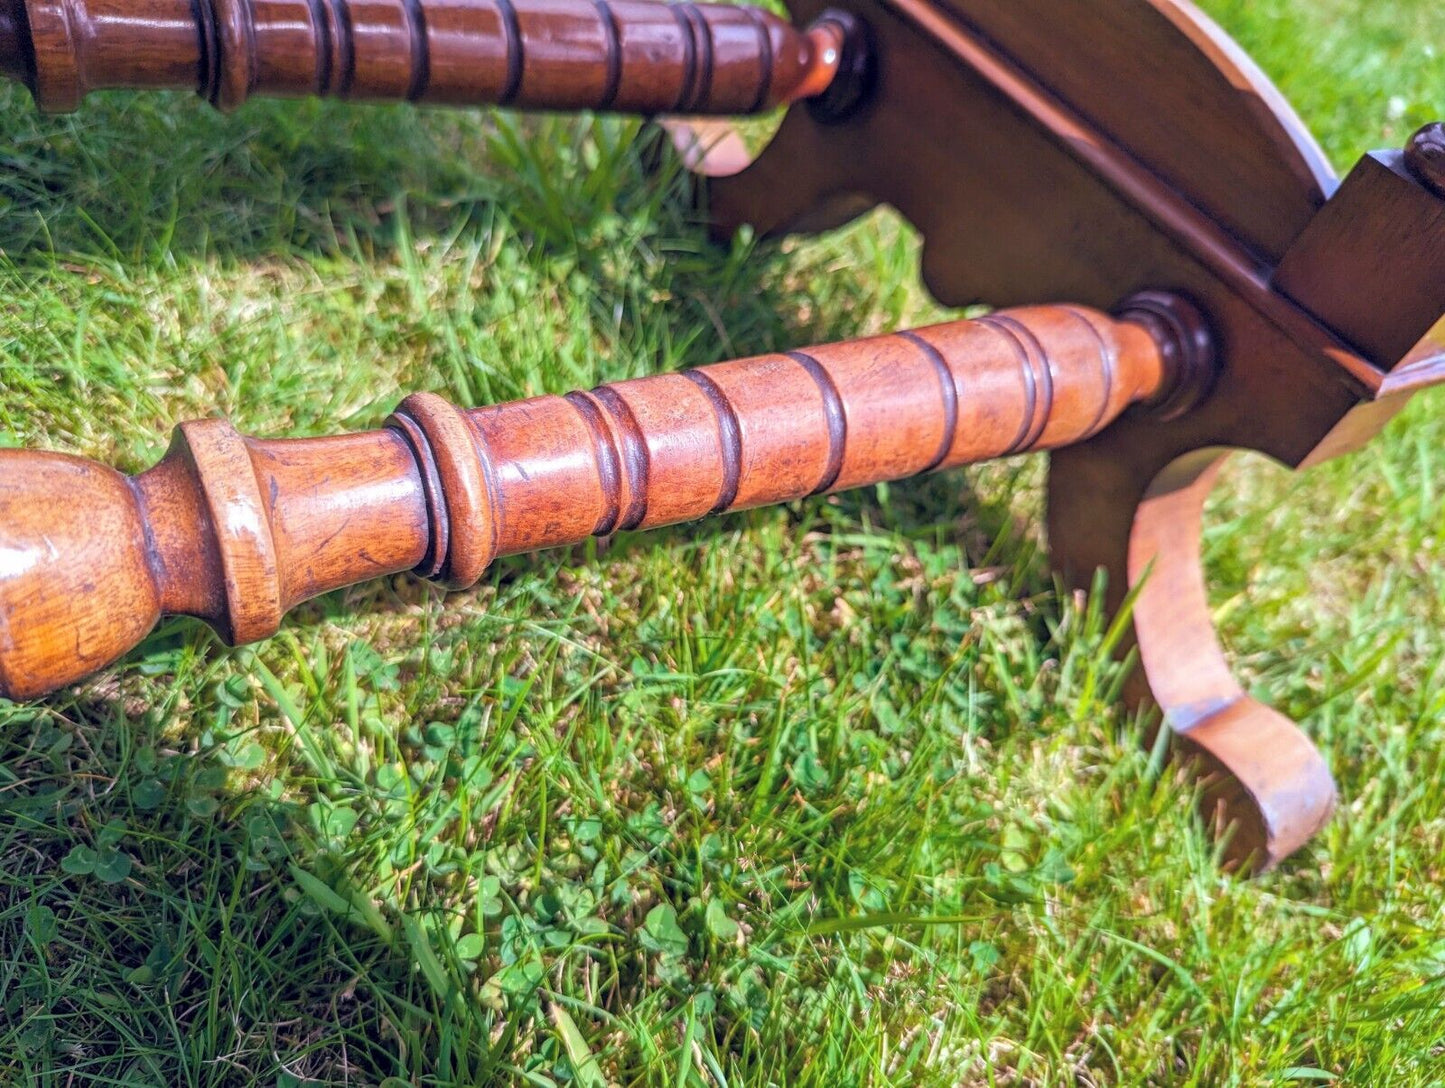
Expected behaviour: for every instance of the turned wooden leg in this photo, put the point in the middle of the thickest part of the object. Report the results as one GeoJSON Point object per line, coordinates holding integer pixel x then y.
{"type": "Point", "coordinates": [237, 530]}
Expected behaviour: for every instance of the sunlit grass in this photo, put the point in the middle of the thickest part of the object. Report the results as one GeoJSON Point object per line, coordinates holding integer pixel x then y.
{"type": "Point", "coordinates": [830, 794]}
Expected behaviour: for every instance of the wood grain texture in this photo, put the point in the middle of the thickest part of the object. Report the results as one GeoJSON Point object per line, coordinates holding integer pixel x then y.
{"type": "Point", "coordinates": [237, 530]}
{"type": "Point", "coordinates": [1162, 80]}
{"type": "Point", "coordinates": [1264, 782]}
{"type": "Point", "coordinates": [627, 55]}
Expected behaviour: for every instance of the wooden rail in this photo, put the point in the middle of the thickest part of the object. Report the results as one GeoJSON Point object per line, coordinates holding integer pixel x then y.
{"type": "Point", "coordinates": [236, 530]}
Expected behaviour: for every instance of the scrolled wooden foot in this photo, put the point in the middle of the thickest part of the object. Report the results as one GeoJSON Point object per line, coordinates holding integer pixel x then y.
{"type": "Point", "coordinates": [1266, 788]}
{"type": "Point", "coordinates": [1132, 503]}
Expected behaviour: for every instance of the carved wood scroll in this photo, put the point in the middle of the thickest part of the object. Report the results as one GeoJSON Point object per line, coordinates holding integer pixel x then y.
{"type": "Point", "coordinates": [236, 530]}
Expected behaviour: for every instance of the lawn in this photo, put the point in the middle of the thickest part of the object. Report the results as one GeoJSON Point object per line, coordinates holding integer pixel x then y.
{"type": "Point", "coordinates": [829, 794]}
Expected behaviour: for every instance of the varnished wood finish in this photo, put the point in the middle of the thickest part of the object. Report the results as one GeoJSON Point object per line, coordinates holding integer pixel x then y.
{"type": "Point", "coordinates": [237, 530]}
{"type": "Point", "coordinates": [1079, 150]}
{"type": "Point", "coordinates": [626, 55]}
{"type": "Point", "coordinates": [1370, 264]}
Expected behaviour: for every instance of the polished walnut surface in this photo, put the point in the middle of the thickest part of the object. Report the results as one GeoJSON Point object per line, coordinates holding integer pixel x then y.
{"type": "Point", "coordinates": [1071, 149]}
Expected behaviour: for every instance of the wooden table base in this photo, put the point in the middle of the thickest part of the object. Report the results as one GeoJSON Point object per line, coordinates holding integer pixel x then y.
{"type": "Point", "coordinates": [1029, 175]}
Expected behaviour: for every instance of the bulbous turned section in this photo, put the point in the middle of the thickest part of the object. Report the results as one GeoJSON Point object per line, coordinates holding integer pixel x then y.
{"type": "Point", "coordinates": [76, 592]}
{"type": "Point", "coordinates": [224, 528]}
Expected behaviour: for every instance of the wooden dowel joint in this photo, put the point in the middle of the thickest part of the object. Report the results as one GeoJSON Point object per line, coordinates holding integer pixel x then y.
{"type": "Point", "coordinates": [1186, 347]}
{"type": "Point", "coordinates": [845, 38]}
{"type": "Point", "coordinates": [1425, 157]}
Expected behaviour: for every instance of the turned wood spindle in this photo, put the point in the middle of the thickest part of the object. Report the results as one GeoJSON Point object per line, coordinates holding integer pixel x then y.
{"type": "Point", "coordinates": [237, 530]}
{"type": "Point", "coordinates": [624, 55]}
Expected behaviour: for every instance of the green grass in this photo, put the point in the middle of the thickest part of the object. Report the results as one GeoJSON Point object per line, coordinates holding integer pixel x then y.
{"type": "Point", "coordinates": [831, 794]}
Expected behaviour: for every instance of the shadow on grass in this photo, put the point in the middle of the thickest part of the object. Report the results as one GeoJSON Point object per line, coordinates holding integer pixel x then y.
{"type": "Point", "coordinates": [145, 178]}
{"type": "Point", "coordinates": [126, 184]}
